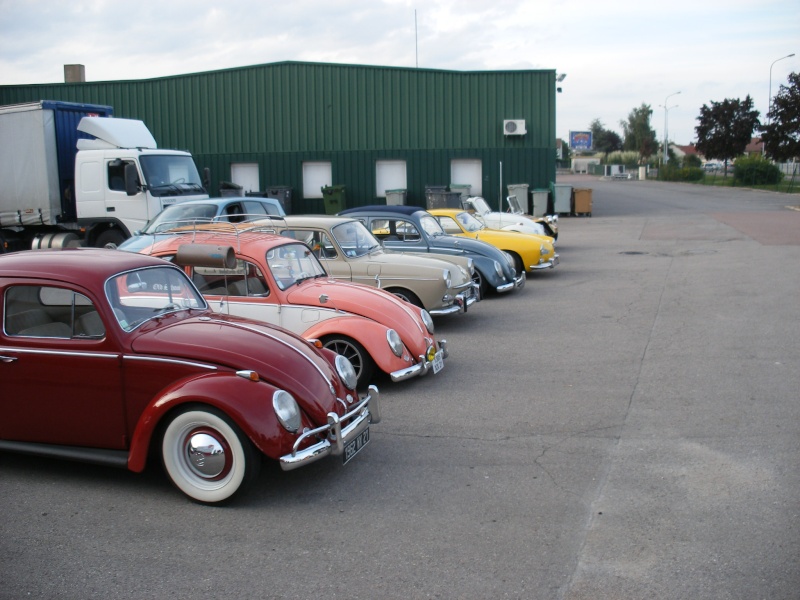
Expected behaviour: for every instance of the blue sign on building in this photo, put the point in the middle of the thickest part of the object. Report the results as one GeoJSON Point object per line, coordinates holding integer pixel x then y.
{"type": "Point", "coordinates": [580, 140]}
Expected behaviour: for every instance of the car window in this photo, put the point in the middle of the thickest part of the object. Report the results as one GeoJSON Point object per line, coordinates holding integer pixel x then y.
{"type": "Point", "coordinates": [144, 294]}
{"type": "Point", "coordinates": [393, 230]}
{"type": "Point", "coordinates": [469, 222]}
{"type": "Point", "coordinates": [246, 279]}
{"type": "Point", "coordinates": [50, 312]}
{"type": "Point", "coordinates": [430, 225]}
{"type": "Point", "coordinates": [354, 239]}
{"type": "Point", "coordinates": [181, 214]}
{"type": "Point", "coordinates": [293, 263]}
{"type": "Point", "coordinates": [448, 224]}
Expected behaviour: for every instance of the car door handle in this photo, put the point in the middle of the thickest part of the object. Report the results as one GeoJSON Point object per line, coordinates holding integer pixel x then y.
{"type": "Point", "coordinates": [8, 359]}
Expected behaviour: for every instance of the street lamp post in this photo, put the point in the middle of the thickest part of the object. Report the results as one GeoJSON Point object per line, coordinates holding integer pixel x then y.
{"type": "Point", "coordinates": [769, 98]}
{"type": "Point", "coordinates": [666, 112]}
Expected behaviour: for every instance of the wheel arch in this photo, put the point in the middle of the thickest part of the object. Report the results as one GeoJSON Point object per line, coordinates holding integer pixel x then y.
{"type": "Point", "coordinates": [233, 395]}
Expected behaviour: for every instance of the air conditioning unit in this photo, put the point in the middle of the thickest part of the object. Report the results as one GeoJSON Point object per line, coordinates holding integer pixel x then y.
{"type": "Point", "coordinates": [514, 127]}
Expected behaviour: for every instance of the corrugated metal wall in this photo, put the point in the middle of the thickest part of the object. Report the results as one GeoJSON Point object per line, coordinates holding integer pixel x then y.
{"type": "Point", "coordinates": [279, 115]}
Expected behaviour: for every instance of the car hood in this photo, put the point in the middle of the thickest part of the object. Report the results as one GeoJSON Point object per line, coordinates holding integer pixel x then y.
{"type": "Point", "coordinates": [365, 301]}
{"type": "Point", "coordinates": [467, 245]}
{"type": "Point", "coordinates": [280, 357]}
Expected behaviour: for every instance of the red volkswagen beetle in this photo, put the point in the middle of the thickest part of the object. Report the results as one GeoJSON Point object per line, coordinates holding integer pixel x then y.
{"type": "Point", "coordinates": [105, 355]}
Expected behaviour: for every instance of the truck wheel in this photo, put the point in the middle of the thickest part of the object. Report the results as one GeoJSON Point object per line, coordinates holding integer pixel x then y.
{"type": "Point", "coordinates": [111, 238]}
{"type": "Point", "coordinates": [354, 352]}
{"type": "Point", "coordinates": [207, 456]}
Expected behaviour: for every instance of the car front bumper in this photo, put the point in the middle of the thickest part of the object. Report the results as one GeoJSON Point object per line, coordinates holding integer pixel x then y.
{"type": "Point", "coordinates": [547, 264]}
{"type": "Point", "coordinates": [337, 437]}
{"type": "Point", "coordinates": [461, 302]}
{"type": "Point", "coordinates": [518, 283]}
{"type": "Point", "coordinates": [421, 368]}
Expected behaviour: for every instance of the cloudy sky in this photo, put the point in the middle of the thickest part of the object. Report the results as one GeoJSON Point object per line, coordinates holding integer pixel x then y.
{"type": "Point", "coordinates": [617, 55]}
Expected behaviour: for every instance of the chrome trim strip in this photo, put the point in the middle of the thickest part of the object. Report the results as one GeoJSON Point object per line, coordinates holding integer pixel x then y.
{"type": "Point", "coordinates": [60, 352]}
{"type": "Point", "coordinates": [173, 361]}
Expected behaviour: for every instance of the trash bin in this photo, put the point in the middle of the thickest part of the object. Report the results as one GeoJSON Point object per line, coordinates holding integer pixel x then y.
{"type": "Point", "coordinates": [582, 201]}
{"type": "Point", "coordinates": [333, 197]}
{"type": "Point", "coordinates": [541, 198]}
{"type": "Point", "coordinates": [396, 197]}
{"type": "Point", "coordinates": [281, 193]}
{"type": "Point", "coordinates": [520, 191]}
{"type": "Point", "coordinates": [227, 188]}
{"type": "Point", "coordinates": [562, 198]}
{"type": "Point", "coordinates": [463, 188]}
{"type": "Point", "coordinates": [443, 199]}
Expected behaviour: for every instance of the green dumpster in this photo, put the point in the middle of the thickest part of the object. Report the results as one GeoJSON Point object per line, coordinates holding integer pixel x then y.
{"type": "Point", "coordinates": [334, 199]}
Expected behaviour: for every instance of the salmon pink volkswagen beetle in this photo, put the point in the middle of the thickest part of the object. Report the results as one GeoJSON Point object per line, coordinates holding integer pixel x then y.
{"type": "Point", "coordinates": [108, 356]}
{"type": "Point", "coordinates": [279, 280]}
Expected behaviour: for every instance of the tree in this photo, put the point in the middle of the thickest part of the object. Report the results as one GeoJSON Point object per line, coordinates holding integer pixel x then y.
{"type": "Point", "coordinates": [604, 140]}
{"type": "Point", "coordinates": [639, 135]}
{"type": "Point", "coordinates": [782, 135]}
{"type": "Point", "coordinates": [725, 128]}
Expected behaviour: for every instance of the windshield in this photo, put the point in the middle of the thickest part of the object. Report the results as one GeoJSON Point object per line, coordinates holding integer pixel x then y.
{"type": "Point", "coordinates": [292, 264]}
{"type": "Point", "coordinates": [144, 294]}
{"type": "Point", "coordinates": [171, 175]}
{"type": "Point", "coordinates": [479, 204]}
{"type": "Point", "coordinates": [180, 214]}
{"type": "Point", "coordinates": [469, 222]}
{"type": "Point", "coordinates": [430, 225]}
{"type": "Point", "coordinates": [355, 239]}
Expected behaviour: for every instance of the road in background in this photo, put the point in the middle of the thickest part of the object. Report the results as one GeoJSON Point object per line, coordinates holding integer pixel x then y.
{"type": "Point", "coordinates": [624, 427]}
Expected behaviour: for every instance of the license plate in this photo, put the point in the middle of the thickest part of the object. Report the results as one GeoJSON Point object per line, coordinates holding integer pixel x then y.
{"type": "Point", "coordinates": [355, 446]}
{"type": "Point", "coordinates": [438, 362]}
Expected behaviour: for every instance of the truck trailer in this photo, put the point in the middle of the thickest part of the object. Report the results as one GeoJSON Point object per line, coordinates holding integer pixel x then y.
{"type": "Point", "coordinates": [74, 175]}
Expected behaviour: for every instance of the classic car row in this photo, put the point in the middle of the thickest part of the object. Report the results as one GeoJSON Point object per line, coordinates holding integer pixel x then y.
{"type": "Point", "coordinates": [178, 346]}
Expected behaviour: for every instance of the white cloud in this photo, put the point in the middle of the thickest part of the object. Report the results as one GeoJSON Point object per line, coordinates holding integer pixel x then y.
{"type": "Point", "coordinates": [617, 55]}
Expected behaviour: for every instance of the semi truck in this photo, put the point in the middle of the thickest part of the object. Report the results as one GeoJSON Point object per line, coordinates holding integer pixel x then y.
{"type": "Point", "coordinates": [74, 175]}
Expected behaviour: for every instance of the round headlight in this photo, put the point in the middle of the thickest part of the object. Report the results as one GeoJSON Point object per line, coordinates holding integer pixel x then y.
{"type": "Point", "coordinates": [346, 372]}
{"type": "Point", "coordinates": [287, 411]}
{"type": "Point", "coordinates": [543, 250]}
{"type": "Point", "coordinates": [446, 276]}
{"type": "Point", "coordinates": [471, 266]}
{"type": "Point", "coordinates": [395, 343]}
{"type": "Point", "coordinates": [498, 269]}
{"type": "Point", "coordinates": [427, 319]}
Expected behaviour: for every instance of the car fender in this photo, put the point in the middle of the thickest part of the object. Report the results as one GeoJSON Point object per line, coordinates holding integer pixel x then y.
{"type": "Point", "coordinates": [368, 333]}
{"type": "Point", "coordinates": [248, 403]}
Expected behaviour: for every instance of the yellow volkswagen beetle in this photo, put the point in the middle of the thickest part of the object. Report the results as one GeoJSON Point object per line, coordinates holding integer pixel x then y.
{"type": "Point", "coordinates": [531, 252]}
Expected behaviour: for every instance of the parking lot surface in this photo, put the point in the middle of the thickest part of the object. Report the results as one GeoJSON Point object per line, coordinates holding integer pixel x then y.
{"type": "Point", "coordinates": [626, 426]}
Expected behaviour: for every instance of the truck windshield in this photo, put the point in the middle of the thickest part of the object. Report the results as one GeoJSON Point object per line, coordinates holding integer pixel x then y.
{"type": "Point", "coordinates": [171, 175]}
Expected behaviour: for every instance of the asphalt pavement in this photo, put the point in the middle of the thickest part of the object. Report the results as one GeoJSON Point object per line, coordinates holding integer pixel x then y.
{"type": "Point", "coordinates": [624, 427]}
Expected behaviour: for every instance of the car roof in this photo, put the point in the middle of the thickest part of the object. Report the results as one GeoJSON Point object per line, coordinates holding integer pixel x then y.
{"type": "Point", "coordinates": [403, 209]}
{"type": "Point", "coordinates": [255, 241]}
{"type": "Point", "coordinates": [315, 220]}
{"type": "Point", "coordinates": [228, 199]}
{"type": "Point", "coordinates": [82, 265]}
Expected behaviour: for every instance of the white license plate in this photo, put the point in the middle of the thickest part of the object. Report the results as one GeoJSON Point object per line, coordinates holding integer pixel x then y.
{"type": "Point", "coordinates": [355, 446]}
{"type": "Point", "coordinates": [438, 362]}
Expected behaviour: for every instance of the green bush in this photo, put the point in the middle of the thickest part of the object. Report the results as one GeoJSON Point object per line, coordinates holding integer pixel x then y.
{"type": "Point", "coordinates": [755, 170]}
{"type": "Point", "coordinates": [692, 160]}
{"type": "Point", "coordinates": [672, 173]}
{"type": "Point", "coordinates": [628, 158]}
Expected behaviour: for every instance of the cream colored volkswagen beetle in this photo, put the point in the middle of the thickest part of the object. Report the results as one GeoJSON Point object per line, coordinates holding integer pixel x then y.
{"type": "Point", "coordinates": [440, 284]}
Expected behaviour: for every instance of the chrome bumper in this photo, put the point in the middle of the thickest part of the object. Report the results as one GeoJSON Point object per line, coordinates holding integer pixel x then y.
{"type": "Point", "coordinates": [365, 412]}
{"type": "Point", "coordinates": [519, 282]}
{"type": "Point", "coordinates": [546, 265]}
{"type": "Point", "coordinates": [461, 302]}
{"type": "Point", "coordinates": [419, 369]}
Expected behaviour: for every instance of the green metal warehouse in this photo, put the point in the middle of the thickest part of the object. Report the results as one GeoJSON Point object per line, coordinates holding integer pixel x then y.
{"type": "Point", "coordinates": [301, 126]}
